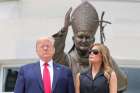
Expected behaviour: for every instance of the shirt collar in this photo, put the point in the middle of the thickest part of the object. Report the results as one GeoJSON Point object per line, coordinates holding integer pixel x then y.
{"type": "Point", "coordinates": [50, 63]}
{"type": "Point", "coordinates": [89, 73]}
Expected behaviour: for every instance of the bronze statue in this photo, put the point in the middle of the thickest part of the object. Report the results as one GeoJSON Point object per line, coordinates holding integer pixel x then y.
{"type": "Point", "coordinates": [84, 21]}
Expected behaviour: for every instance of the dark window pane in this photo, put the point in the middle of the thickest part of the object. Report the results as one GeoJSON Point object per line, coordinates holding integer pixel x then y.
{"type": "Point", "coordinates": [10, 79]}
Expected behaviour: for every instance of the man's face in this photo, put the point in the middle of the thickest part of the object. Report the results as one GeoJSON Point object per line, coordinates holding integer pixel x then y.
{"type": "Point", "coordinates": [83, 40]}
{"type": "Point", "coordinates": [45, 50]}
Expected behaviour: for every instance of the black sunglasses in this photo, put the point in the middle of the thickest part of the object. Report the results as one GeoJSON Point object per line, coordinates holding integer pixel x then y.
{"type": "Point", "coordinates": [94, 51]}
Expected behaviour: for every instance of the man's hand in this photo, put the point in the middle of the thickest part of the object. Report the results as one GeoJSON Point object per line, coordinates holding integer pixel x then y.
{"type": "Point", "coordinates": [67, 19]}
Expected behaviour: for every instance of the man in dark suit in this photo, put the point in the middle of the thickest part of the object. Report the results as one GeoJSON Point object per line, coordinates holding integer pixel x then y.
{"type": "Point", "coordinates": [32, 78]}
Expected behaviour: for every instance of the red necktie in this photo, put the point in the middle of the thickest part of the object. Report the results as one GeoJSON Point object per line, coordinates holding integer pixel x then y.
{"type": "Point", "coordinates": [46, 79]}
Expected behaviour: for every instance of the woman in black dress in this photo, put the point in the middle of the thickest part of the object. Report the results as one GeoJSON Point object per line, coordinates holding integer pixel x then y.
{"type": "Point", "coordinates": [100, 77]}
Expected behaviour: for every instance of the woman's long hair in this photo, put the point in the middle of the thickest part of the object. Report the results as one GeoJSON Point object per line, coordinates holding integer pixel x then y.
{"type": "Point", "coordinates": [106, 59]}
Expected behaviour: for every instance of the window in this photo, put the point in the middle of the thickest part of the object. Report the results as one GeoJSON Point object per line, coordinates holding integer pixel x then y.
{"type": "Point", "coordinates": [8, 73]}
{"type": "Point", "coordinates": [9, 78]}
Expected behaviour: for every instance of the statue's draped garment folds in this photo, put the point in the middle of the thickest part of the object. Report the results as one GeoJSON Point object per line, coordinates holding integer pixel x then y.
{"type": "Point", "coordinates": [84, 18]}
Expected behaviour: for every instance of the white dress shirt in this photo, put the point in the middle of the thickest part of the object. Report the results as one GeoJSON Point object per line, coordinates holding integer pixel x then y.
{"type": "Point", "coordinates": [50, 67]}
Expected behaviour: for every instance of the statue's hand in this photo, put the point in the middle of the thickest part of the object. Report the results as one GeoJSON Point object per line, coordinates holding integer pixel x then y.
{"type": "Point", "coordinates": [67, 19]}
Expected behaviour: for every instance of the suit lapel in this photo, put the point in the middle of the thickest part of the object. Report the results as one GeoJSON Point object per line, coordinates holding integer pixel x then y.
{"type": "Point", "coordinates": [38, 74]}
{"type": "Point", "coordinates": [56, 70]}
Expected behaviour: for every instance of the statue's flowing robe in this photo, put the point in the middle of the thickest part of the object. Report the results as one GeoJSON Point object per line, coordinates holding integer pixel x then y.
{"type": "Point", "coordinates": [77, 63]}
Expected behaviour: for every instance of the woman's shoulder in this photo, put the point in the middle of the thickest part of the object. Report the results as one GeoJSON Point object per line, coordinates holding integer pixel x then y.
{"type": "Point", "coordinates": [113, 75]}
{"type": "Point", "coordinates": [83, 74]}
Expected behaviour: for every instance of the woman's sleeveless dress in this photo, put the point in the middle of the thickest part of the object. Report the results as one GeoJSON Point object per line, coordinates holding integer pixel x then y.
{"type": "Point", "coordinates": [98, 85]}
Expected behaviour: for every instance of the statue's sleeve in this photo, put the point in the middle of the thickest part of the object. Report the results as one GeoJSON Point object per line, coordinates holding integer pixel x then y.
{"type": "Point", "coordinates": [59, 44]}
{"type": "Point", "coordinates": [121, 76]}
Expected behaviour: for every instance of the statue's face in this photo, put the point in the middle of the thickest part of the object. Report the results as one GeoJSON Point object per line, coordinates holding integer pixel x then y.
{"type": "Point", "coordinates": [83, 40]}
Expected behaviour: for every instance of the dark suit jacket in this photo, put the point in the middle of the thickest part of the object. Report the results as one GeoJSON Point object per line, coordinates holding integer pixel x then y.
{"type": "Point", "coordinates": [30, 80]}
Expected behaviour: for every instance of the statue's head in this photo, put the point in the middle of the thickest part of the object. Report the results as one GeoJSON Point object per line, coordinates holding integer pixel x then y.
{"type": "Point", "coordinates": [84, 21]}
